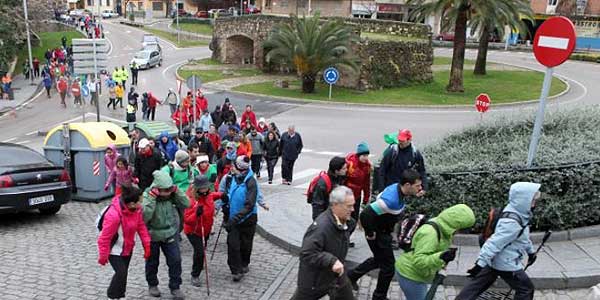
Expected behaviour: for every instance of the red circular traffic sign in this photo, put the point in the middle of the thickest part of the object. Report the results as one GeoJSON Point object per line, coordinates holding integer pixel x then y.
{"type": "Point", "coordinates": [482, 103]}
{"type": "Point", "coordinates": [554, 41]}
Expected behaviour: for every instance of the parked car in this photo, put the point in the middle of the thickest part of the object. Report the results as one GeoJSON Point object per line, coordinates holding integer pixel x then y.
{"type": "Point", "coordinates": [446, 36]}
{"type": "Point", "coordinates": [107, 14]}
{"type": "Point", "coordinates": [30, 181]}
{"type": "Point", "coordinates": [252, 9]}
{"type": "Point", "coordinates": [181, 13]}
{"type": "Point", "coordinates": [149, 38]}
{"type": "Point", "coordinates": [147, 59]}
{"type": "Point", "coordinates": [80, 12]}
{"type": "Point", "coordinates": [201, 14]}
{"type": "Point", "coordinates": [220, 12]}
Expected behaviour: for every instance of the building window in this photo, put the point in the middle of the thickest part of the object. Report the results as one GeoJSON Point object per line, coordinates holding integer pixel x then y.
{"type": "Point", "coordinates": [157, 6]}
{"type": "Point", "coordinates": [267, 3]}
{"type": "Point", "coordinates": [90, 3]}
{"type": "Point", "coordinates": [552, 2]}
{"type": "Point", "coordinates": [284, 3]}
{"type": "Point", "coordinates": [140, 6]}
{"type": "Point", "coordinates": [108, 3]}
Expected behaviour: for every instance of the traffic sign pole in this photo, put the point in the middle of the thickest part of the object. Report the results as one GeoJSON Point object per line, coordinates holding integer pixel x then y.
{"type": "Point", "coordinates": [330, 87]}
{"type": "Point", "coordinates": [539, 119]}
{"type": "Point", "coordinates": [96, 82]}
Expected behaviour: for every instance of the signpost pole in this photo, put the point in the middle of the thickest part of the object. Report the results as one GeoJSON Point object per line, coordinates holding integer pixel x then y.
{"type": "Point", "coordinates": [194, 105]}
{"type": "Point", "coordinates": [96, 83]}
{"type": "Point", "coordinates": [539, 119]}
{"type": "Point", "coordinates": [330, 85]}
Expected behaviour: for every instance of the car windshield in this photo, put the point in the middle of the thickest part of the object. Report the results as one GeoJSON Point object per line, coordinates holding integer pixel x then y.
{"type": "Point", "coordinates": [142, 55]}
{"type": "Point", "coordinates": [11, 156]}
{"type": "Point", "coordinates": [149, 39]}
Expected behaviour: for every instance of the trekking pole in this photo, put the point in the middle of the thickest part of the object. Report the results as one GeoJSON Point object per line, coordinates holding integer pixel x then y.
{"type": "Point", "coordinates": [216, 242]}
{"type": "Point", "coordinates": [205, 262]}
{"type": "Point", "coordinates": [544, 239]}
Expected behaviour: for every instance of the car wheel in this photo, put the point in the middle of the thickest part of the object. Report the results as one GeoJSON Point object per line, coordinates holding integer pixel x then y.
{"type": "Point", "coordinates": [50, 210]}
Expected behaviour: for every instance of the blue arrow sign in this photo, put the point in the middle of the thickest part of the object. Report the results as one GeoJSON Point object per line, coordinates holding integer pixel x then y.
{"type": "Point", "coordinates": [331, 75]}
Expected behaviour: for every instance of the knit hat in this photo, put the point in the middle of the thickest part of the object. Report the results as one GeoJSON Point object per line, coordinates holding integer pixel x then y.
{"type": "Point", "coordinates": [362, 148]}
{"type": "Point", "coordinates": [143, 143]}
{"type": "Point", "coordinates": [162, 180]}
{"type": "Point", "coordinates": [201, 182]}
{"type": "Point", "coordinates": [242, 163]}
{"type": "Point", "coordinates": [181, 157]}
{"type": "Point", "coordinates": [262, 120]}
{"type": "Point", "coordinates": [202, 158]}
{"type": "Point", "coordinates": [336, 163]}
{"type": "Point", "coordinates": [404, 135]}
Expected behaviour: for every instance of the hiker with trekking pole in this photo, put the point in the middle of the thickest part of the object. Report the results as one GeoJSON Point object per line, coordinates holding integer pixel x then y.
{"type": "Point", "coordinates": [198, 222]}
{"type": "Point", "coordinates": [505, 245]}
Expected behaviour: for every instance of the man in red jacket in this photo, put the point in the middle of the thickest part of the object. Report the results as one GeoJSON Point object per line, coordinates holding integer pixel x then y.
{"type": "Point", "coordinates": [248, 115]}
{"type": "Point", "coordinates": [62, 90]}
{"type": "Point", "coordinates": [201, 102]}
{"type": "Point", "coordinates": [359, 177]}
{"type": "Point", "coordinates": [198, 222]}
{"type": "Point", "coordinates": [76, 91]}
{"type": "Point", "coordinates": [152, 103]}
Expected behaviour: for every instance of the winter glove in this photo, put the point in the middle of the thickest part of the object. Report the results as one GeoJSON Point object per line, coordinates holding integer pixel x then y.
{"type": "Point", "coordinates": [147, 253]}
{"type": "Point", "coordinates": [474, 271]}
{"type": "Point", "coordinates": [531, 259]}
{"type": "Point", "coordinates": [199, 210]}
{"type": "Point", "coordinates": [106, 188]}
{"type": "Point", "coordinates": [154, 193]}
{"type": "Point", "coordinates": [103, 260]}
{"type": "Point", "coordinates": [448, 256]}
{"type": "Point", "coordinates": [225, 199]}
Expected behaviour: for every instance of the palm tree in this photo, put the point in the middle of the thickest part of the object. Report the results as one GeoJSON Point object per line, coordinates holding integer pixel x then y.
{"type": "Point", "coordinates": [309, 47]}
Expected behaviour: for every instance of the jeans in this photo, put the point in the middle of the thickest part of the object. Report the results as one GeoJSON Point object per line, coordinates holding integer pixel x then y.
{"type": "Point", "coordinates": [341, 290]}
{"type": "Point", "coordinates": [118, 283]}
{"type": "Point", "coordinates": [271, 162]}
{"type": "Point", "coordinates": [412, 290]}
{"type": "Point", "coordinates": [383, 259]}
{"type": "Point", "coordinates": [255, 160]}
{"type": "Point", "coordinates": [517, 280]}
{"type": "Point", "coordinates": [287, 169]}
{"type": "Point", "coordinates": [170, 249]}
{"type": "Point", "coordinates": [239, 246]}
{"type": "Point", "coordinates": [199, 252]}
{"type": "Point", "coordinates": [111, 101]}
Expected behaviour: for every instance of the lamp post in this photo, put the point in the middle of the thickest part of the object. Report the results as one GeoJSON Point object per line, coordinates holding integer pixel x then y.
{"type": "Point", "coordinates": [28, 40]}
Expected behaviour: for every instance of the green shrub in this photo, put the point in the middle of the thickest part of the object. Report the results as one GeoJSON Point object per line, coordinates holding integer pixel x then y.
{"type": "Point", "coordinates": [586, 57]}
{"type": "Point", "coordinates": [193, 21]}
{"type": "Point", "coordinates": [478, 165]}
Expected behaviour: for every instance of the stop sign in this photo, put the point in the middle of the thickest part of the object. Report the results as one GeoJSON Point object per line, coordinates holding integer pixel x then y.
{"type": "Point", "coordinates": [554, 41]}
{"type": "Point", "coordinates": [482, 103]}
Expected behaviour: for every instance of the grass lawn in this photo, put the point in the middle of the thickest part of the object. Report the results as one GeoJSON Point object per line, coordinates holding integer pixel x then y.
{"type": "Point", "coordinates": [195, 28]}
{"type": "Point", "coordinates": [444, 60]}
{"type": "Point", "coordinates": [389, 37]}
{"type": "Point", "coordinates": [214, 75]}
{"type": "Point", "coordinates": [172, 37]}
{"type": "Point", "coordinates": [49, 40]}
{"type": "Point", "coordinates": [502, 86]}
{"type": "Point", "coordinates": [208, 61]}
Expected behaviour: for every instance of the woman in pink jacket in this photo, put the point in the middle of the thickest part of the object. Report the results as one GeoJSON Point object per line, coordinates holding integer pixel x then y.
{"type": "Point", "coordinates": [121, 175]}
{"type": "Point", "coordinates": [117, 238]}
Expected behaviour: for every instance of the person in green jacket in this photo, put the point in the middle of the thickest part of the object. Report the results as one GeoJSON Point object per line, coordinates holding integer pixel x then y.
{"type": "Point", "coordinates": [207, 169]}
{"type": "Point", "coordinates": [161, 200]}
{"type": "Point", "coordinates": [431, 250]}
{"type": "Point", "coordinates": [181, 171]}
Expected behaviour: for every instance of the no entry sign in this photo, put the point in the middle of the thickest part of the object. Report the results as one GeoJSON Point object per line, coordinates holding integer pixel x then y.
{"type": "Point", "coordinates": [482, 103]}
{"type": "Point", "coordinates": [554, 41]}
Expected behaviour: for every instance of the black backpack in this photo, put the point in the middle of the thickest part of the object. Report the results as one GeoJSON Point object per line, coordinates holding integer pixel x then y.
{"type": "Point", "coordinates": [494, 215]}
{"type": "Point", "coordinates": [408, 228]}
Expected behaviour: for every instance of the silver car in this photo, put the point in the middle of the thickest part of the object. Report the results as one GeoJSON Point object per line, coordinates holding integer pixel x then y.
{"type": "Point", "coordinates": [147, 59]}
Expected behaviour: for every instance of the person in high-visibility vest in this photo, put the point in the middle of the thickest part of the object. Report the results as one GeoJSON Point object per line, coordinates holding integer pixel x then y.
{"type": "Point", "coordinates": [124, 76]}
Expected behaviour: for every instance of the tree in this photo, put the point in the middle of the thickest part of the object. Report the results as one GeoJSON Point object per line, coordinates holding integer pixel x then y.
{"type": "Point", "coordinates": [309, 47]}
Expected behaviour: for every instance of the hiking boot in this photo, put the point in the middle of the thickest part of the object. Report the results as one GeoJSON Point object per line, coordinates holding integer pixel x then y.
{"type": "Point", "coordinates": [270, 181]}
{"type": "Point", "coordinates": [238, 277]}
{"type": "Point", "coordinates": [196, 281]}
{"type": "Point", "coordinates": [245, 270]}
{"type": "Point", "coordinates": [154, 291]}
{"type": "Point", "coordinates": [177, 294]}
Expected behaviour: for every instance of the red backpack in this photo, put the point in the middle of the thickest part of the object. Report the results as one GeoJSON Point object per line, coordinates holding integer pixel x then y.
{"type": "Point", "coordinates": [313, 184]}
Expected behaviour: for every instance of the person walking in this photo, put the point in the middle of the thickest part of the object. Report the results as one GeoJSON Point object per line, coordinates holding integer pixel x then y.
{"type": "Point", "coordinates": [134, 73]}
{"type": "Point", "coordinates": [93, 88]}
{"type": "Point", "coordinates": [241, 189]}
{"type": "Point", "coordinates": [147, 161]}
{"type": "Point", "coordinates": [161, 201]}
{"type": "Point", "coordinates": [430, 250]}
{"type": "Point", "coordinates": [205, 121]}
{"type": "Point", "coordinates": [208, 170]}
{"type": "Point", "coordinates": [122, 220]}
{"type": "Point", "coordinates": [399, 157]}
{"type": "Point", "coordinates": [172, 100]}
{"type": "Point", "coordinates": [336, 175]}
{"type": "Point", "coordinates": [271, 153]}
{"type": "Point", "coordinates": [167, 146]}
{"type": "Point", "coordinates": [76, 92]}
{"type": "Point", "coordinates": [502, 254]}
{"type": "Point", "coordinates": [199, 218]}
{"type": "Point", "coordinates": [124, 77]}
{"type": "Point", "coordinates": [47, 83]}
{"type": "Point", "coordinates": [112, 95]}
{"type": "Point", "coordinates": [62, 87]}
{"type": "Point", "coordinates": [324, 249]}
{"type": "Point", "coordinates": [152, 103]}
{"type": "Point", "coordinates": [248, 116]}
{"type": "Point", "coordinates": [119, 91]}
{"type": "Point", "coordinates": [258, 145]}
{"type": "Point", "coordinates": [121, 175]}
{"type": "Point", "coordinates": [36, 67]}
{"type": "Point", "coordinates": [26, 69]}
{"type": "Point", "coordinates": [290, 146]}
{"type": "Point", "coordinates": [110, 157]}
{"type": "Point", "coordinates": [378, 220]}
{"type": "Point", "coordinates": [216, 116]}
{"type": "Point", "coordinates": [359, 178]}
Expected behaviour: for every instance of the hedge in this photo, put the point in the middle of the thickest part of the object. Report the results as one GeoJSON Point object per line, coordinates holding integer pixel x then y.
{"type": "Point", "coordinates": [194, 21]}
{"type": "Point", "coordinates": [586, 57]}
{"type": "Point", "coordinates": [480, 163]}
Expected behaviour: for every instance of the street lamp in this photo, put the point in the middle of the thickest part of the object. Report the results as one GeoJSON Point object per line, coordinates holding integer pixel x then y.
{"type": "Point", "coordinates": [28, 40]}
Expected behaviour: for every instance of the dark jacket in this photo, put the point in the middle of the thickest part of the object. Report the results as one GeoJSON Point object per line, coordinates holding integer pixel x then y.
{"type": "Point", "coordinates": [205, 146]}
{"type": "Point", "coordinates": [395, 161]}
{"type": "Point", "coordinates": [216, 117]}
{"type": "Point", "coordinates": [290, 147]}
{"type": "Point", "coordinates": [324, 242]}
{"type": "Point", "coordinates": [271, 148]}
{"type": "Point", "coordinates": [144, 166]}
{"type": "Point", "coordinates": [382, 214]}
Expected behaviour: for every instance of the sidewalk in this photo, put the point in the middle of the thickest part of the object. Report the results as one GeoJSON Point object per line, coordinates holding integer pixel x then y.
{"type": "Point", "coordinates": [569, 260]}
{"type": "Point", "coordinates": [23, 92]}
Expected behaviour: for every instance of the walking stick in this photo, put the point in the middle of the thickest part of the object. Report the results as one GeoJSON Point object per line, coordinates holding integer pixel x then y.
{"type": "Point", "coordinates": [546, 237]}
{"type": "Point", "coordinates": [216, 242]}
{"type": "Point", "coordinates": [205, 262]}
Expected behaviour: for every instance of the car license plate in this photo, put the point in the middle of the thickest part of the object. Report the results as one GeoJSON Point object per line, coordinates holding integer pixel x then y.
{"type": "Point", "coordinates": [40, 200]}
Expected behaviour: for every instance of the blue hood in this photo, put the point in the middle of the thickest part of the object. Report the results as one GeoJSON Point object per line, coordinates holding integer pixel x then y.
{"type": "Point", "coordinates": [520, 197]}
{"type": "Point", "coordinates": [164, 134]}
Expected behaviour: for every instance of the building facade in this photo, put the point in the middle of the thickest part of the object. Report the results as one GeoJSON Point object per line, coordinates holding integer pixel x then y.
{"type": "Point", "coordinates": [327, 8]}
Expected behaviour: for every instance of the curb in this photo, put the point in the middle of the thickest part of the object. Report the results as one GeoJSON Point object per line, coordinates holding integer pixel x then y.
{"type": "Point", "coordinates": [19, 106]}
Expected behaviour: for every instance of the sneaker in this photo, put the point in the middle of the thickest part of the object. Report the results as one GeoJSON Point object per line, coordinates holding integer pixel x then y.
{"type": "Point", "coordinates": [196, 281]}
{"type": "Point", "coordinates": [245, 270]}
{"type": "Point", "coordinates": [354, 285]}
{"type": "Point", "coordinates": [154, 291]}
{"type": "Point", "coordinates": [270, 181]}
{"type": "Point", "coordinates": [284, 182]}
{"type": "Point", "coordinates": [238, 277]}
{"type": "Point", "coordinates": [177, 294]}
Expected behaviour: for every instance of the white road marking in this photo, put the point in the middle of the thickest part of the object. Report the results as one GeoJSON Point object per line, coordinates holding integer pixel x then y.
{"type": "Point", "coordinates": [32, 133]}
{"type": "Point", "coordinates": [553, 42]}
{"type": "Point", "coordinates": [297, 176]}
{"type": "Point", "coordinates": [23, 142]}
{"type": "Point", "coordinates": [9, 140]}
{"type": "Point", "coordinates": [307, 150]}
{"type": "Point", "coordinates": [329, 153]}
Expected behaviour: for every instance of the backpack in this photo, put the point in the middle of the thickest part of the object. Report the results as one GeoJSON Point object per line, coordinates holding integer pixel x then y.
{"type": "Point", "coordinates": [408, 228]}
{"type": "Point", "coordinates": [395, 151]}
{"type": "Point", "coordinates": [494, 215]}
{"type": "Point", "coordinates": [100, 222]}
{"type": "Point", "coordinates": [313, 184]}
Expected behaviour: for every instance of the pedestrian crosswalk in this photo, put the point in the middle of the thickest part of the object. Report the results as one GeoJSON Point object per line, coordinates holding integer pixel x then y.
{"type": "Point", "coordinates": [300, 179]}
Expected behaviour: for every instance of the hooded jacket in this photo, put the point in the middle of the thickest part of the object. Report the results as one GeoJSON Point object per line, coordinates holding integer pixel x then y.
{"type": "Point", "coordinates": [392, 165]}
{"type": "Point", "coordinates": [359, 177]}
{"type": "Point", "coordinates": [110, 162]}
{"type": "Point", "coordinates": [181, 177]}
{"type": "Point", "coordinates": [160, 213]}
{"type": "Point", "coordinates": [120, 177]}
{"type": "Point", "coordinates": [257, 143]}
{"type": "Point", "coordinates": [424, 261]}
{"type": "Point", "coordinates": [192, 224]}
{"type": "Point", "coordinates": [505, 249]}
{"type": "Point", "coordinates": [248, 115]}
{"type": "Point", "coordinates": [169, 148]}
{"type": "Point", "coordinates": [119, 220]}
{"type": "Point", "coordinates": [211, 174]}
